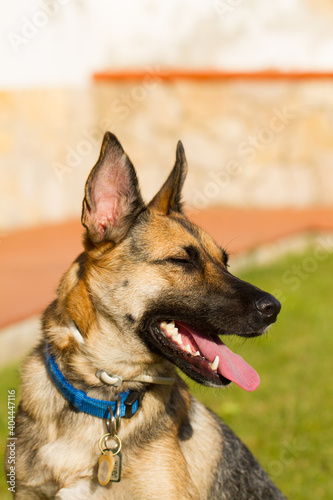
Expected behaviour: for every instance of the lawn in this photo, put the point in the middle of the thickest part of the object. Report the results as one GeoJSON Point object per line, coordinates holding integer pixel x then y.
{"type": "Point", "coordinates": [287, 421]}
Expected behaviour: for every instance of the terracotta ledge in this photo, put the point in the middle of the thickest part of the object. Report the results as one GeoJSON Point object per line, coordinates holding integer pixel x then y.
{"type": "Point", "coordinates": [209, 75]}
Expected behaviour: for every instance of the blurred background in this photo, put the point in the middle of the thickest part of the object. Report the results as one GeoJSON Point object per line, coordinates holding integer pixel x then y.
{"type": "Point", "coordinates": [247, 85]}
{"type": "Point", "coordinates": [54, 110]}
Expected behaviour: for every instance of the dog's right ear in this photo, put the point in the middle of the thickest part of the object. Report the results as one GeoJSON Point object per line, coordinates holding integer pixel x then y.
{"type": "Point", "coordinates": [112, 195]}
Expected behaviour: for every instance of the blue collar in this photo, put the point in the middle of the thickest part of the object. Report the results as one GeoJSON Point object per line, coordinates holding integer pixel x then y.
{"type": "Point", "coordinates": [81, 402]}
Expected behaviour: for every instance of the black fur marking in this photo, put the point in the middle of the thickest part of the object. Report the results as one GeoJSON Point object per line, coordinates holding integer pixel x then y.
{"type": "Point", "coordinates": [81, 261]}
{"type": "Point", "coordinates": [129, 318]}
{"type": "Point", "coordinates": [194, 256]}
{"type": "Point", "coordinates": [185, 431]}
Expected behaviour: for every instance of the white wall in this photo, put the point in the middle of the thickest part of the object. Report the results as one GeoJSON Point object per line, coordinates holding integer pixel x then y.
{"type": "Point", "coordinates": [62, 42]}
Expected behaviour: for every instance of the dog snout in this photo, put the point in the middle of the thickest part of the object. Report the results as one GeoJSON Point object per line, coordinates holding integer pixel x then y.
{"type": "Point", "coordinates": [269, 307]}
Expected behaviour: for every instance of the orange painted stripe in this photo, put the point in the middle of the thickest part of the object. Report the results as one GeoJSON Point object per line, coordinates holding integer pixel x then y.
{"type": "Point", "coordinates": [169, 75]}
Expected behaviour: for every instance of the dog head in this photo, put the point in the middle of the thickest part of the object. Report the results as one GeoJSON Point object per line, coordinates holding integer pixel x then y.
{"type": "Point", "coordinates": [153, 288]}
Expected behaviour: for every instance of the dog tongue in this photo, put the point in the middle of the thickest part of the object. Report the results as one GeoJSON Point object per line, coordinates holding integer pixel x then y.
{"type": "Point", "coordinates": [231, 366]}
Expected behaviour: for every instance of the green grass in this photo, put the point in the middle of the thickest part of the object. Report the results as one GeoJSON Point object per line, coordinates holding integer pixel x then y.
{"type": "Point", "coordinates": [287, 421]}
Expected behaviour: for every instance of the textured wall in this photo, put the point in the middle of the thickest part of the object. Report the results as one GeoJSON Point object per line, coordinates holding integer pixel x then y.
{"type": "Point", "coordinates": [248, 143]}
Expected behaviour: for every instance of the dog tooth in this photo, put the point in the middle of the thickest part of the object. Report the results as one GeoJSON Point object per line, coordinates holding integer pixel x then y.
{"type": "Point", "coordinates": [163, 324]}
{"type": "Point", "coordinates": [196, 353]}
{"type": "Point", "coordinates": [171, 329]}
{"type": "Point", "coordinates": [171, 324]}
{"type": "Point", "coordinates": [214, 366]}
{"type": "Point", "coordinates": [177, 338]}
{"type": "Point", "coordinates": [172, 333]}
{"type": "Point", "coordinates": [187, 349]}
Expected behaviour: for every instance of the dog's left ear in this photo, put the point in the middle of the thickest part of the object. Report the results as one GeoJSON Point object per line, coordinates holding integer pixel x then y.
{"type": "Point", "coordinates": [112, 196]}
{"type": "Point", "coordinates": [168, 199]}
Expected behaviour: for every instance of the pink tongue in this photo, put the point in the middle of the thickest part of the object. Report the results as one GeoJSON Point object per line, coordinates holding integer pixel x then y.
{"type": "Point", "coordinates": [231, 366]}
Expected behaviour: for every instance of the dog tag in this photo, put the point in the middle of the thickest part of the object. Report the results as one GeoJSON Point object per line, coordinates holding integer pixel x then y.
{"type": "Point", "coordinates": [106, 464]}
{"type": "Point", "coordinates": [116, 473]}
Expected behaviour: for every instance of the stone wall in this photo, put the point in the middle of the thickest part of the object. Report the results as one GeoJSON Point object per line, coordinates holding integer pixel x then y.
{"type": "Point", "coordinates": [248, 143]}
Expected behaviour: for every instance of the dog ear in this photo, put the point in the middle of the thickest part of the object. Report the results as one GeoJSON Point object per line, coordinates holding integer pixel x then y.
{"type": "Point", "coordinates": [168, 199]}
{"type": "Point", "coordinates": [112, 195]}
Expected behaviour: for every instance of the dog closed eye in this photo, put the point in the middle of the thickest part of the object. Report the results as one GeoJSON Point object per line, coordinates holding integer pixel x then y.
{"type": "Point", "coordinates": [180, 261]}
{"type": "Point", "coordinates": [192, 257]}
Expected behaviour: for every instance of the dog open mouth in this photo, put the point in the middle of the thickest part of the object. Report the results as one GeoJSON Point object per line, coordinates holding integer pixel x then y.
{"type": "Point", "coordinates": [209, 356]}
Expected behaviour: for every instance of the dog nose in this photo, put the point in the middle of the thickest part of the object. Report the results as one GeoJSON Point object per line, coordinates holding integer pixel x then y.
{"type": "Point", "coordinates": [269, 307]}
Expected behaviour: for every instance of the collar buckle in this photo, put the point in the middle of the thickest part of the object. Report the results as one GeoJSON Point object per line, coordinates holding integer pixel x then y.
{"type": "Point", "coordinates": [130, 406]}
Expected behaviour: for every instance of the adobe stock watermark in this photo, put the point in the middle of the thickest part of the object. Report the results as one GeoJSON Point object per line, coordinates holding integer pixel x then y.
{"type": "Point", "coordinates": [247, 151]}
{"type": "Point", "coordinates": [293, 277]}
{"type": "Point", "coordinates": [225, 7]}
{"type": "Point", "coordinates": [120, 109]}
{"type": "Point", "coordinates": [11, 442]}
{"type": "Point", "coordinates": [32, 25]}
{"type": "Point", "coordinates": [289, 453]}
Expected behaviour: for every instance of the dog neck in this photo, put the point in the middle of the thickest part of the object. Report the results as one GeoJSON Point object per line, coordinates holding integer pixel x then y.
{"type": "Point", "coordinates": [116, 380]}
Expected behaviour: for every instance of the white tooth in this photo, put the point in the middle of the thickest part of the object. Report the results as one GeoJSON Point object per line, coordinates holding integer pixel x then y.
{"type": "Point", "coordinates": [163, 324]}
{"type": "Point", "coordinates": [214, 366]}
{"type": "Point", "coordinates": [171, 329]}
{"type": "Point", "coordinates": [196, 353]}
{"type": "Point", "coordinates": [175, 338]}
{"type": "Point", "coordinates": [170, 332]}
{"type": "Point", "coordinates": [187, 349]}
{"type": "Point", "coordinates": [171, 324]}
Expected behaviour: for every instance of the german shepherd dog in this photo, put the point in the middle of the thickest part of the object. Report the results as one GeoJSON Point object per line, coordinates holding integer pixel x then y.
{"type": "Point", "coordinates": [103, 413]}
